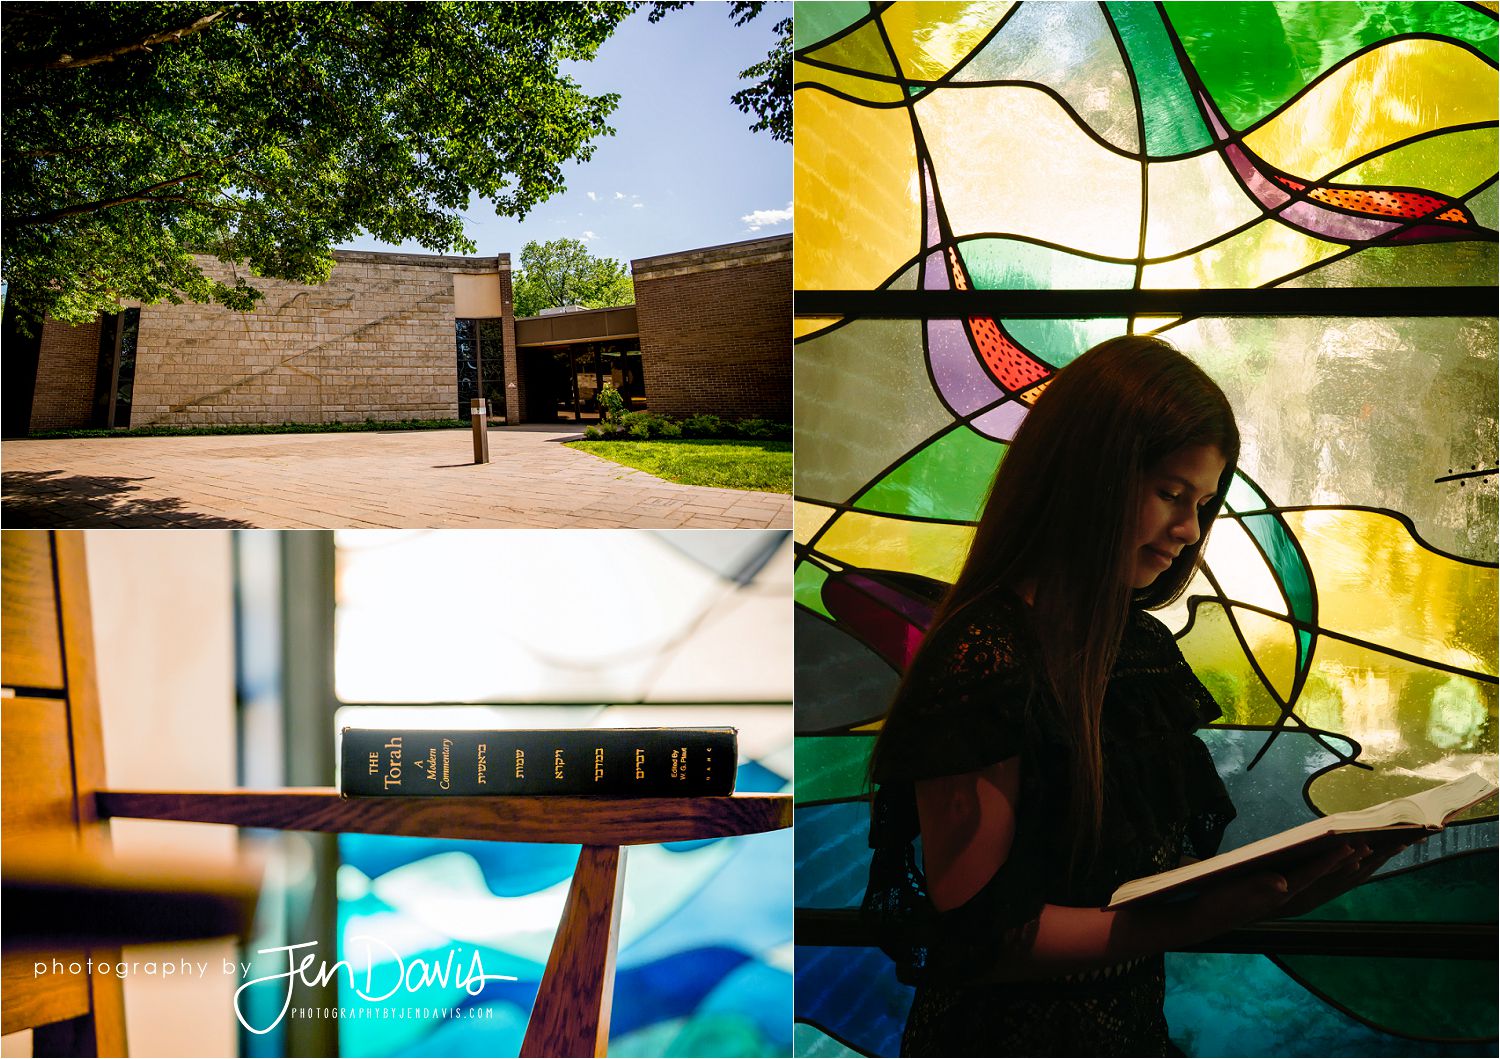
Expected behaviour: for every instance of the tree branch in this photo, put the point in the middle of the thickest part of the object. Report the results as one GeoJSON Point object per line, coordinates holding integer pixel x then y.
{"type": "Point", "coordinates": [70, 62]}
{"type": "Point", "coordinates": [141, 195]}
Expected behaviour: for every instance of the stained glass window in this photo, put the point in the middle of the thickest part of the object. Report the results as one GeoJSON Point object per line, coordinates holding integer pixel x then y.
{"type": "Point", "coordinates": [1345, 616]}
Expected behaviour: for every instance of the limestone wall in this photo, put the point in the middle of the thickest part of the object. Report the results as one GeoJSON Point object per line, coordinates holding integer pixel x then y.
{"type": "Point", "coordinates": [374, 342]}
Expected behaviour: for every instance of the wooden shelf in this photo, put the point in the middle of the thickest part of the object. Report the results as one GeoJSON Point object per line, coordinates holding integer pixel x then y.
{"type": "Point", "coordinates": [588, 821]}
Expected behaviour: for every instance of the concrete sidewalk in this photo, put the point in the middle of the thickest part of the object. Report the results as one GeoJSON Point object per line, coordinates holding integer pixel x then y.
{"type": "Point", "coordinates": [407, 479]}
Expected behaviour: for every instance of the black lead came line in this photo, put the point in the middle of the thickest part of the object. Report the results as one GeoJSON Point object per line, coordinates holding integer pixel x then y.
{"type": "Point", "coordinates": [1054, 304]}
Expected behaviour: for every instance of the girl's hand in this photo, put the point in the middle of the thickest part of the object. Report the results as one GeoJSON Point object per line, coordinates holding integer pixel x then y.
{"type": "Point", "coordinates": [1347, 878]}
{"type": "Point", "coordinates": [1267, 895]}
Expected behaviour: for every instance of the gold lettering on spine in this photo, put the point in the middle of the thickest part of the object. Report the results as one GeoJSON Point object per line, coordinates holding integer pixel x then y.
{"type": "Point", "coordinates": [520, 764]}
{"type": "Point", "coordinates": [393, 769]}
{"type": "Point", "coordinates": [640, 764]}
{"type": "Point", "coordinates": [557, 764]}
{"type": "Point", "coordinates": [482, 765]}
{"type": "Point", "coordinates": [447, 780]}
{"type": "Point", "coordinates": [598, 763]}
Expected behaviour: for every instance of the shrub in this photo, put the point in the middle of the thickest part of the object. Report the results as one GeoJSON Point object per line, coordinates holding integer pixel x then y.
{"type": "Point", "coordinates": [644, 426]}
{"type": "Point", "coordinates": [705, 426]}
{"type": "Point", "coordinates": [763, 428]}
{"type": "Point", "coordinates": [647, 425]}
{"type": "Point", "coordinates": [612, 404]}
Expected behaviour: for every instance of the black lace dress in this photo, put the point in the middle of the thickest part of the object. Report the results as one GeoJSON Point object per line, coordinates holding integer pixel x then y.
{"type": "Point", "coordinates": [979, 701]}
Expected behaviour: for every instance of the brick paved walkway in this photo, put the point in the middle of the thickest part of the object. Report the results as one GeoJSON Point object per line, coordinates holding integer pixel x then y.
{"type": "Point", "coordinates": [398, 479]}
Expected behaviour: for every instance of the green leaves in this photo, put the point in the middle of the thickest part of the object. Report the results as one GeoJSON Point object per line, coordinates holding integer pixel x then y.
{"type": "Point", "coordinates": [139, 134]}
{"type": "Point", "coordinates": [562, 272]}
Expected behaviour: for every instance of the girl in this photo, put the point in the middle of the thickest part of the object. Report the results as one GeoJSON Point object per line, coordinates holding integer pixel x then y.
{"type": "Point", "coordinates": [1042, 740]}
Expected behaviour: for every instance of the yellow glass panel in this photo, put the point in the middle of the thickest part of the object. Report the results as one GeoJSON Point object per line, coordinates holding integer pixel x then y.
{"type": "Point", "coordinates": [1254, 257]}
{"type": "Point", "coordinates": [1240, 569]}
{"type": "Point", "coordinates": [1451, 164]}
{"type": "Point", "coordinates": [1191, 201]}
{"type": "Point", "coordinates": [850, 84]}
{"type": "Point", "coordinates": [858, 203]}
{"type": "Point", "coordinates": [1417, 726]}
{"type": "Point", "coordinates": [1216, 656]}
{"type": "Point", "coordinates": [1010, 160]}
{"type": "Point", "coordinates": [873, 726]}
{"type": "Point", "coordinates": [802, 326]}
{"type": "Point", "coordinates": [931, 38]}
{"type": "Point", "coordinates": [1375, 582]}
{"type": "Point", "coordinates": [807, 519]}
{"type": "Point", "coordinates": [930, 549]}
{"type": "Point", "coordinates": [1273, 645]}
{"type": "Point", "coordinates": [1398, 90]}
{"type": "Point", "coordinates": [864, 49]}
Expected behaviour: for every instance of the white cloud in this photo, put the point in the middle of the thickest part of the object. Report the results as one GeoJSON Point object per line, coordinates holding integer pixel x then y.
{"type": "Point", "coordinates": [766, 218]}
{"type": "Point", "coordinates": [593, 196]}
{"type": "Point", "coordinates": [637, 205]}
{"type": "Point", "coordinates": [588, 237]}
{"type": "Point", "coordinates": [619, 194]}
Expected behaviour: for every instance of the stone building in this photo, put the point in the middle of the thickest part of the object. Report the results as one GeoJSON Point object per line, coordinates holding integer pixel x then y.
{"type": "Point", "coordinates": [415, 336]}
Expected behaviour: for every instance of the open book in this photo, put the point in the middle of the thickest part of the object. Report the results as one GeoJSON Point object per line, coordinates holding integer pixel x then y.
{"type": "Point", "coordinates": [1379, 825]}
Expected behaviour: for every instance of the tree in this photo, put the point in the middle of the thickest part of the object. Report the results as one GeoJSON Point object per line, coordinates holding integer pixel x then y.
{"type": "Point", "coordinates": [769, 96]}
{"type": "Point", "coordinates": [563, 272]}
{"type": "Point", "coordinates": [138, 134]}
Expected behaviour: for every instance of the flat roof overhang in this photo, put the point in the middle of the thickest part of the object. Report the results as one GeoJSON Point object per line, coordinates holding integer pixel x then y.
{"type": "Point", "coordinates": [589, 325]}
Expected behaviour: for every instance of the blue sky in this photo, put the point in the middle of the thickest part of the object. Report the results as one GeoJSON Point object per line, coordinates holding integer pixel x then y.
{"type": "Point", "coordinates": [682, 170]}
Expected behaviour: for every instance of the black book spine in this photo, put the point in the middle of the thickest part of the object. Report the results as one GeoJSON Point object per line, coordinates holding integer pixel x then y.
{"type": "Point", "coordinates": [616, 762]}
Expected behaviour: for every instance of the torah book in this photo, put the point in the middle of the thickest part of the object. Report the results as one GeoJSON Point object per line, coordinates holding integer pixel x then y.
{"type": "Point", "coordinates": [1382, 824]}
{"type": "Point", "coordinates": [617, 762]}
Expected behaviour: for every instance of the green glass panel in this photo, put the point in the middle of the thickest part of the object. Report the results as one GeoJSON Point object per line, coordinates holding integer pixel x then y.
{"type": "Point", "coordinates": [1213, 651]}
{"type": "Point", "coordinates": [1282, 553]}
{"type": "Point", "coordinates": [1304, 646]}
{"type": "Point", "coordinates": [1451, 164]}
{"type": "Point", "coordinates": [1012, 264]}
{"type": "Point", "coordinates": [1486, 206]}
{"type": "Point", "coordinates": [1060, 341]}
{"type": "Point", "coordinates": [1245, 497]}
{"type": "Point", "coordinates": [808, 587]}
{"type": "Point", "coordinates": [862, 402]}
{"type": "Point", "coordinates": [1237, 1004]}
{"type": "Point", "coordinates": [1173, 124]}
{"type": "Point", "coordinates": [864, 50]}
{"type": "Point", "coordinates": [907, 280]}
{"type": "Point", "coordinates": [1453, 999]}
{"type": "Point", "coordinates": [814, 21]}
{"type": "Point", "coordinates": [1420, 265]}
{"type": "Point", "coordinates": [832, 767]}
{"type": "Point", "coordinates": [1456, 890]}
{"type": "Point", "coordinates": [947, 479]}
{"type": "Point", "coordinates": [809, 1042]}
{"type": "Point", "coordinates": [1252, 57]}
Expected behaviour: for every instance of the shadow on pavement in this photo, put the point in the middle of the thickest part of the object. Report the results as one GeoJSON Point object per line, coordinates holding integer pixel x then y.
{"type": "Point", "coordinates": [49, 500]}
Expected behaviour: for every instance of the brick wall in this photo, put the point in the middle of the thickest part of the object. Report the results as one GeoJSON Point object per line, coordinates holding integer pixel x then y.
{"type": "Point", "coordinates": [67, 367]}
{"type": "Point", "coordinates": [716, 330]}
{"type": "Point", "coordinates": [374, 342]}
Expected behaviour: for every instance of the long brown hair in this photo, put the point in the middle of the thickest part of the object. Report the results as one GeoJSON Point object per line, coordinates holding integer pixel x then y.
{"type": "Point", "coordinates": [1061, 519]}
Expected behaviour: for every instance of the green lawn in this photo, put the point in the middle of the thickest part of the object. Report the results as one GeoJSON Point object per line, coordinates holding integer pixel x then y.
{"type": "Point", "coordinates": [729, 464]}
